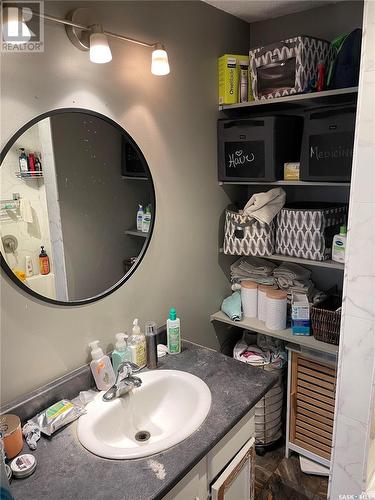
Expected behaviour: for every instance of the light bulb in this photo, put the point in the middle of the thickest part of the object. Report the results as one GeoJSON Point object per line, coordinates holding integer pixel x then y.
{"type": "Point", "coordinates": [15, 30]}
{"type": "Point", "coordinates": [159, 62]}
{"type": "Point", "coordinates": [100, 52]}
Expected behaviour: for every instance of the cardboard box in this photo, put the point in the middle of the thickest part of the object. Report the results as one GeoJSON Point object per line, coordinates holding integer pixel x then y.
{"type": "Point", "coordinates": [291, 171]}
{"type": "Point", "coordinates": [228, 74]}
{"type": "Point", "coordinates": [300, 314]}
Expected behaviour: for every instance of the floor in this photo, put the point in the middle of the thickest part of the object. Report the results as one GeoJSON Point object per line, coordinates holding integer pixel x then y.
{"type": "Point", "coordinates": [280, 478]}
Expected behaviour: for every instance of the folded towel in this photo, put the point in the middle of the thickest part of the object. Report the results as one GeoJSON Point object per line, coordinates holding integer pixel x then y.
{"type": "Point", "coordinates": [265, 206]}
{"type": "Point", "coordinates": [26, 210]}
{"type": "Point", "coordinates": [231, 306]}
{"type": "Point", "coordinates": [253, 268]}
{"type": "Point", "coordinates": [291, 271]}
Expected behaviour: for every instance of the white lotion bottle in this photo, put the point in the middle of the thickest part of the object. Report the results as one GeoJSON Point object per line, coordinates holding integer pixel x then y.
{"type": "Point", "coordinates": [339, 246]}
{"type": "Point", "coordinates": [139, 217]}
{"type": "Point", "coordinates": [101, 367]}
{"type": "Point", "coordinates": [173, 332]}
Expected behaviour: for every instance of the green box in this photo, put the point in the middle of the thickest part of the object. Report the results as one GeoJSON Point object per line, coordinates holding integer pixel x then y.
{"type": "Point", "coordinates": [228, 73]}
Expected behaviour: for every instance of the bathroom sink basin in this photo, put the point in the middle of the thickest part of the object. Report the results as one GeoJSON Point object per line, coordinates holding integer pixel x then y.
{"type": "Point", "coordinates": [168, 407]}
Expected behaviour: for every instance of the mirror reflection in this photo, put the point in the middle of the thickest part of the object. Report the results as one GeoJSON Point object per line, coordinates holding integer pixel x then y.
{"type": "Point", "coordinates": [77, 206]}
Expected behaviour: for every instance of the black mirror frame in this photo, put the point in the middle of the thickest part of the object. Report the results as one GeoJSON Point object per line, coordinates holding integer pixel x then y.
{"type": "Point", "coordinates": [125, 278]}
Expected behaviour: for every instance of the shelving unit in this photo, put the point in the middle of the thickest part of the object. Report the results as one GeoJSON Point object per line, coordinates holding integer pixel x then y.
{"type": "Point", "coordinates": [331, 264]}
{"type": "Point", "coordinates": [295, 104]}
{"type": "Point", "coordinates": [296, 100]}
{"type": "Point", "coordinates": [134, 232]}
{"type": "Point", "coordinates": [258, 326]}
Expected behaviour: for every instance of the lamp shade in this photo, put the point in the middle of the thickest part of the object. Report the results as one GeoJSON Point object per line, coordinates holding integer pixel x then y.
{"type": "Point", "coordinates": [159, 63]}
{"type": "Point", "coordinates": [100, 51]}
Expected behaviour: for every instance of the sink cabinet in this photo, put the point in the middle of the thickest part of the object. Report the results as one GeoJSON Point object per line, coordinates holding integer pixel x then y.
{"type": "Point", "coordinates": [227, 472]}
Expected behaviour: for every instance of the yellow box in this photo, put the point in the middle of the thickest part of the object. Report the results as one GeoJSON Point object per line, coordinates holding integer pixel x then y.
{"type": "Point", "coordinates": [229, 71]}
{"type": "Point", "coordinates": [291, 171]}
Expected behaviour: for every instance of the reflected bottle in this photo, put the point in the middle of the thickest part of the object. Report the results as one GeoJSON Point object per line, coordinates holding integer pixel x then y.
{"type": "Point", "coordinates": [43, 262]}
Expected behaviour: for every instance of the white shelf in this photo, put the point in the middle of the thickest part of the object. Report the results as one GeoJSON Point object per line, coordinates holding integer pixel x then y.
{"type": "Point", "coordinates": [331, 264]}
{"type": "Point", "coordinates": [259, 327]}
{"type": "Point", "coordinates": [137, 233]}
{"type": "Point", "coordinates": [326, 96]}
{"type": "Point", "coordinates": [285, 183]}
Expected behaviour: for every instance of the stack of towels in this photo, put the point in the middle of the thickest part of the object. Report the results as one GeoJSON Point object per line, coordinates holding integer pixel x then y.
{"type": "Point", "coordinates": [252, 268]}
{"type": "Point", "coordinates": [290, 277]}
{"type": "Point", "coordinates": [293, 278]}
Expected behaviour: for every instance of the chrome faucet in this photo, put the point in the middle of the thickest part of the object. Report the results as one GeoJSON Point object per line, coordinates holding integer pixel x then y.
{"type": "Point", "coordinates": [125, 381]}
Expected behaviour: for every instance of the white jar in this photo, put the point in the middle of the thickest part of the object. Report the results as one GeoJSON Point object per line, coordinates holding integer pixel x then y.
{"type": "Point", "coordinates": [276, 310]}
{"type": "Point", "coordinates": [249, 298]}
{"type": "Point", "coordinates": [262, 300]}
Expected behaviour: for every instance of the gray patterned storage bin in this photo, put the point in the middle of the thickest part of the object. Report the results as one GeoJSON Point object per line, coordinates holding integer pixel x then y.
{"type": "Point", "coordinates": [244, 235]}
{"type": "Point", "coordinates": [287, 67]}
{"type": "Point", "coordinates": [307, 230]}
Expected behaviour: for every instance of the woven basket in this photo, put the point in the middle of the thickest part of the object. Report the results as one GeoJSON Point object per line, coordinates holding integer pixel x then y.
{"type": "Point", "coordinates": [326, 322]}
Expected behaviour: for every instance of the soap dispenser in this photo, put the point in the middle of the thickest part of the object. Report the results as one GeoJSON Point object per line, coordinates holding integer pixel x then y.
{"type": "Point", "coordinates": [101, 367]}
{"type": "Point", "coordinates": [121, 352]}
{"type": "Point", "coordinates": [137, 344]}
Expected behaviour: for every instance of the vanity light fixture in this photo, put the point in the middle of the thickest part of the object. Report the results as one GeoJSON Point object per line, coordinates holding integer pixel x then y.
{"type": "Point", "coordinates": [86, 33]}
{"type": "Point", "coordinates": [159, 61]}
{"type": "Point", "coordinates": [99, 49]}
{"type": "Point", "coordinates": [15, 29]}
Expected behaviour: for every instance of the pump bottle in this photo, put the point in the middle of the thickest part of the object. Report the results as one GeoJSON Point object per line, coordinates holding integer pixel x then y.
{"type": "Point", "coordinates": [101, 367]}
{"type": "Point", "coordinates": [137, 344]}
{"type": "Point", "coordinates": [122, 352]}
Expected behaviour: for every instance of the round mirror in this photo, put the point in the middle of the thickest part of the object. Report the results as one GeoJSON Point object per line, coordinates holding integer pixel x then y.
{"type": "Point", "coordinates": [77, 206]}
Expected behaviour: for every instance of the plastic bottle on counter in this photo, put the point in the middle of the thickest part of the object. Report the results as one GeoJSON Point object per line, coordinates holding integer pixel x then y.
{"type": "Point", "coordinates": [101, 367]}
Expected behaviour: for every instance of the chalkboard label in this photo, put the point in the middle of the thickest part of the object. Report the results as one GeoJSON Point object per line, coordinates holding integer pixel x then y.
{"type": "Point", "coordinates": [331, 154]}
{"type": "Point", "coordinates": [245, 159]}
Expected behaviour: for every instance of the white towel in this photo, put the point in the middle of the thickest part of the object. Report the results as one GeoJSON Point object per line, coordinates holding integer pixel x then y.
{"type": "Point", "coordinates": [26, 210]}
{"type": "Point", "coordinates": [265, 206]}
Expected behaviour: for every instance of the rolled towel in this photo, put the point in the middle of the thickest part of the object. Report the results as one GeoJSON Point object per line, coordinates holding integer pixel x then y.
{"type": "Point", "coordinates": [231, 306]}
{"type": "Point", "coordinates": [26, 210]}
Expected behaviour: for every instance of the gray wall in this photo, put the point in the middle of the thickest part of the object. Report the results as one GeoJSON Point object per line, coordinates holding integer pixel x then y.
{"type": "Point", "coordinates": [173, 120]}
{"type": "Point", "coordinates": [324, 22]}
{"type": "Point", "coordinates": [96, 205]}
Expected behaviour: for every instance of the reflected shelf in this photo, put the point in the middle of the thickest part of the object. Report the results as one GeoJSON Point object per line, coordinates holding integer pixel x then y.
{"type": "Point", "coordinates": [29, 175]}
{"type": "Point", "coordinates": [134, 232]}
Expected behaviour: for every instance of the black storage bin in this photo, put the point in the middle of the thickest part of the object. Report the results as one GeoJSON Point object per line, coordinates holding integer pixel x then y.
{"type": "Point", "coordinates": [255, 149]}
{"type": "Point", "coordinates": [327, 144]}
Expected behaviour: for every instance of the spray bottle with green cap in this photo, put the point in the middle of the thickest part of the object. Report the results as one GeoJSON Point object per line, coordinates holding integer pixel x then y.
{"type": "Point", "coordinates": [173, 332]}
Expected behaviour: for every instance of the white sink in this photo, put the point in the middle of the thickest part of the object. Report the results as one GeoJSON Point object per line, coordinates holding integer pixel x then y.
{"type": "Point", "coordinates": [170, 405]}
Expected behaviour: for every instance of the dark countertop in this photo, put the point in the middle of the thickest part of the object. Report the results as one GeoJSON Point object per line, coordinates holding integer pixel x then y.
{"type": "Point", "coordinates": [66, 470]}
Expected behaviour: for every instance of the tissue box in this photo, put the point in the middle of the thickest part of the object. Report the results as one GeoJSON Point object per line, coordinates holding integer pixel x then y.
{"type": "Point", "coordinates": [300, 315]}
{"type": "Point", "coordinates": [229, 71]}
